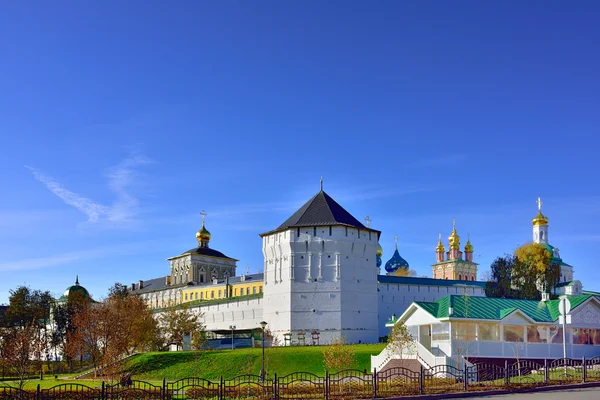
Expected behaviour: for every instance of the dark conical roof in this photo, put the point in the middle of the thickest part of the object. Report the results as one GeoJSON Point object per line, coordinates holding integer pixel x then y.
{"type": "Point", "coordinates": [321, 210]}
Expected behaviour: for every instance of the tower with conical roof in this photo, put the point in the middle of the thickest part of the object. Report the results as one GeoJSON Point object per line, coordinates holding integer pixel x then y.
{"type": "Point", "coordinates": [453, 266]}
{"type": "Point", "coordinates": [320, 274]}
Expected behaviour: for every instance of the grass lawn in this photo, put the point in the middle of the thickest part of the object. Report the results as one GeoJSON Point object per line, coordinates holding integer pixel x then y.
{"type": "Point", "coordinates": [227, 363]}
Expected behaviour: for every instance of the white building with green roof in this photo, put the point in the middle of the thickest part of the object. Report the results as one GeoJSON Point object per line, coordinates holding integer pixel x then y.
{"type": "Point", "coordinates": [454, 328]}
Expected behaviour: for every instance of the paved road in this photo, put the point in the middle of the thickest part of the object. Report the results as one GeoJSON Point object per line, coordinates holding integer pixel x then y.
{"type": "Point", "coordinates": [570, 394]}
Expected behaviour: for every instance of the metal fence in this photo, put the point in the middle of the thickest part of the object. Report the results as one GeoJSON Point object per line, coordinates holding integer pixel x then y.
{"type": "Point", "coordinates": [347, 384]}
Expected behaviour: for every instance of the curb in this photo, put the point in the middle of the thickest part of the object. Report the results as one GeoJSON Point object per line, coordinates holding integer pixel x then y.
{"type": "Point", "coordinates": [464, 395]}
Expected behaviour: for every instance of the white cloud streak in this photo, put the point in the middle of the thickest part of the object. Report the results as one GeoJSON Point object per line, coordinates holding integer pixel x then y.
{"type": "Point", "coordinates": [37, 263]}
{"type": "Point", "coordinates": [120, 179]}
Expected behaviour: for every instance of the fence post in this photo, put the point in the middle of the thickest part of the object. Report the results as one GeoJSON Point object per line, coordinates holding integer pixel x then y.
{"type": "Point", "coordinates": [374, 383]}
{"type": "Point", "coordinates": [465, 378]}
{"type": "Point", "coordinates": [506, 374]}
{"type": "Point", "coordinates": [421, 379]}
{"type": "Point", "coordinates": [164, 389]}
{"type": "Point", "coordinates": [37, 394]}
{"type": "Point", "coordinates": [546, 371]}
{"type": "Point", "coordinates": [221, 388]}
{"type": "Point", "coordinates": [583, 370]}
{"type": "Point", "coordinates": [103, 391]}
{"type": "Point", "coordinates": [326, 385]}
{"type": "Point", "coordinates": [275, 386]}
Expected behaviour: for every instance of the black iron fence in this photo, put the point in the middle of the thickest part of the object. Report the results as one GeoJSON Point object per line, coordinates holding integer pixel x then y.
{"type": "Point", "coordinates": [347, 384]}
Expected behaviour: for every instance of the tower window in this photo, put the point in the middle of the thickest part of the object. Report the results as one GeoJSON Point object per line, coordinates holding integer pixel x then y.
{"type": "Point", "coordinates": [315, 231]}
{"type": "Point", "coordinates": [472, 277]}
{"type": "Point", "coordinates": [459, 277]}
{"type": "Point", "coordinates": [330, 229]}
{"type": "Point", "coordinates": [346, 231]}
{"type": "Point", "coordinates": [298, 233]}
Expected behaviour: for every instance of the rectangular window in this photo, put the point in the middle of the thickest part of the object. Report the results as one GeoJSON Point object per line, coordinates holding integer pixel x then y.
{"type": "Point", "coordinates": [440, 331]}
{"type": "Point", "coordinates": [186, 296]}
{"type": "Point", "coordinates": [196, 296]}
{"type": "Point", "coordinates": [260, 289]}
{"type": "Point", "coordinates": [254, 290]}
{"type": "Point", "coordinates": [589, 336]}
{"type": "Point", "coordinates": [298, 233]}
{"type": "Point", "coordinates": [555, 334]}
{"type": "Point", "coordinates": [346, 231]}
{"type": "Point", "coordinates": [220, 293]}
{"type": "Point", "coordinates": [235, 292]}
{"type": "Point", "coordinates": [315, 231]}
{"type": "Point", "coordinates": [464, 331]}
{"type": "Point", "coordinates": [537, 334]}
{"type": "Point", "coordinates": [212, 294]}
{"type": "Point", "coordinates": [513, 333]}
{"type": "Point", "coordinates": [201, 295]}
{"type": "Point", "coordinates": [490, 332]}
{"type": "Point", "coordinates": [330, 229]}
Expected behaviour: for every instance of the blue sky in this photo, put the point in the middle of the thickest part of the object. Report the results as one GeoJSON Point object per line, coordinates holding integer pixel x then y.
{"type": "Point", "coordinates": [121, 121]}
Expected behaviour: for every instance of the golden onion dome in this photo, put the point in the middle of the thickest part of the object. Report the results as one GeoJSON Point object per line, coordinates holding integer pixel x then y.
{"type": "Point", "coordinates": [379, 250]}
{"type": "Point", "coordinates": [440, 245]}
{"type": "Point", "coordinates": [540, 219]}
{"type": "Point", "coordinates": [454, 239]}
{"type": "Point", "coordinates": [468, 247]}
{"type": "Point", "coordinates": [203, 235]}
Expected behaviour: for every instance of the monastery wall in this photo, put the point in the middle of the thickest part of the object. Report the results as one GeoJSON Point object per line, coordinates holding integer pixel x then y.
{"type": "Point", "coordinates": [244, 314]}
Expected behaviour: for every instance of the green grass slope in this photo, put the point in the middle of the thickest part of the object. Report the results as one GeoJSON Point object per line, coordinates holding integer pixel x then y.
{"type": "Point", "coordinates": [227, 363]}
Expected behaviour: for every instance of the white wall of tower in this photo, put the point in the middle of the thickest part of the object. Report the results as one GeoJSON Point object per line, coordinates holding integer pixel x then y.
{"type": "Point", "coordinates": [322, 278]}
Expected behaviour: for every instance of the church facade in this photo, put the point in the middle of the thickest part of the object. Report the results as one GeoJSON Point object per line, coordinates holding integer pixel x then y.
{"type": "Point", "coordinates": [321, 273]}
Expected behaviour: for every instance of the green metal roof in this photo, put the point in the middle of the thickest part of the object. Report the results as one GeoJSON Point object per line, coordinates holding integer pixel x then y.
{"type": "Point", "coordinates": [496, 309]}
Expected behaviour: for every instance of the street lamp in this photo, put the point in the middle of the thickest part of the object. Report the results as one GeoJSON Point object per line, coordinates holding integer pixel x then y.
{"type": "Point", "coordinates": [263, 325]}
{"type": "Point", "coordinates": [232, 327]}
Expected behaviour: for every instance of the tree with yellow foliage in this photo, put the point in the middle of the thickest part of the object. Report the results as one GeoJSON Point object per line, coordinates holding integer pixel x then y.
{"type": "Point", "coordinates": [534, 271]}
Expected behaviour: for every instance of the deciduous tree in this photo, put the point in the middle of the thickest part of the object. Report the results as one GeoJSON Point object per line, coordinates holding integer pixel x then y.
{"type": "Point", "coordinates": [400, 340]}
{"type": "Point", "coordinates": [338, 355]}
{"type": "Point", "coordinates": [178, 321]}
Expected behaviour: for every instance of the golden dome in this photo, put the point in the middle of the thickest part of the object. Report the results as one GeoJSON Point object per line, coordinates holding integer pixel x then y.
{"type": "Point", "coordinates": [468, 246]}
{"type": "Point", "coordinates": [203, 235]}
{"type": "Point", "coordinates": [440, 245]}
{"type": "Point", "coordinates": [540, 219]}
{"type": "Point", "coordinates": [454, 239]}
{"type": "Point", "coordinates": [379, 250]}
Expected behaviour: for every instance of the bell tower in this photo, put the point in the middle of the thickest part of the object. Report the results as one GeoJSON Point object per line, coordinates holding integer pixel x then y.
{"type": "Point", "coordinates": [540, 225]}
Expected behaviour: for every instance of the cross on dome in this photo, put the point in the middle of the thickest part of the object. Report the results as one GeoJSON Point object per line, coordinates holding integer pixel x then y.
{"type": "Point", "coordinates": [321, 183]}
{"type": "Point", "coordinates": [539, 204]}
{"type": "Point", "coordinates": [368, 221]}
{"type": "Point", "coordinates": [203, 213]}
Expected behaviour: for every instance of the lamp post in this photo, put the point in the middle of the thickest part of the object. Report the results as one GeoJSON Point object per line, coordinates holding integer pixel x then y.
{"type": "Point", "coordinates": [263, 325]}
{"type": "Point", "coordinates": [232, 327]}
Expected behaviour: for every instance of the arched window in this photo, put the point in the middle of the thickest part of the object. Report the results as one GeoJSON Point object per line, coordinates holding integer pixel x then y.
{"type": "Point", "coordinates": [459, 277]}
{"type": "Point", "coordinates": [472, 277]}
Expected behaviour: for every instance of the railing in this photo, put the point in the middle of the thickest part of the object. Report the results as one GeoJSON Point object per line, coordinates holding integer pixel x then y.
{"type": "Point", "coordinates": [343, 385]}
